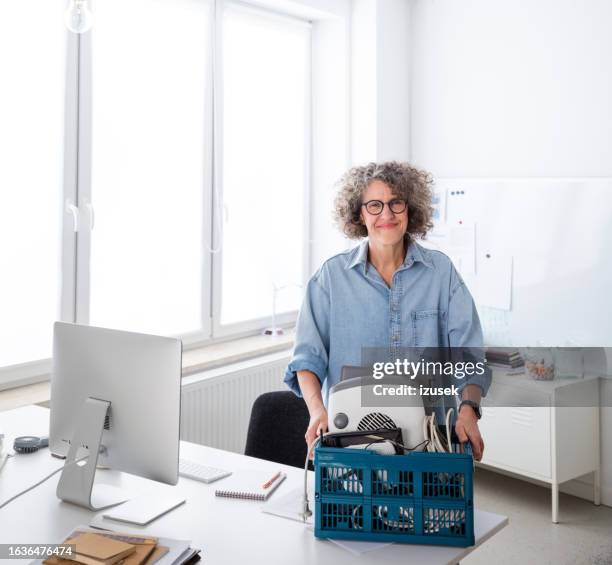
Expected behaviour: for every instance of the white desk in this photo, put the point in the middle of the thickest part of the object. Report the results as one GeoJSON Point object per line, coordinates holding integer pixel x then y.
{"type": "Point", "coordinates": [228, 531]}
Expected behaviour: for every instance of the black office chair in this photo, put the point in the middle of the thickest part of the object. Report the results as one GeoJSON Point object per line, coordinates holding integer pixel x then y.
{"type": "Point", "coordinates": [277, 427]}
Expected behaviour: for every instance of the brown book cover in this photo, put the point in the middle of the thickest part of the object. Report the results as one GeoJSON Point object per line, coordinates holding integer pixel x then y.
{"type": "Point", "coordinates": [145, 549]}
{"type": "Point", "coordinates": [96, 549]}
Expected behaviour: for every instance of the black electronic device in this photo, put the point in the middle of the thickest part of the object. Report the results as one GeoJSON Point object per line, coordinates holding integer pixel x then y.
{"type": "Point", "coordinates": [30, 444]}
{"type": "Point", "coordinates": [366, 437]}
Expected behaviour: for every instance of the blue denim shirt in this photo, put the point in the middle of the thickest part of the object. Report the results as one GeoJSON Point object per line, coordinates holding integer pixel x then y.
{"type": "Point", "coordinates": [348, 306]}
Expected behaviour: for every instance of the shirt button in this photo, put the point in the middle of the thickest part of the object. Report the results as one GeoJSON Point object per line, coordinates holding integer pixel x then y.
{"type": "Point", "coordinates": [394, 306]}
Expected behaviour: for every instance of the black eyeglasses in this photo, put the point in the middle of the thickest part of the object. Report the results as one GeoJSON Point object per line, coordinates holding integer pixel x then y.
{"type": "Point", "coordinates": [375, 207]}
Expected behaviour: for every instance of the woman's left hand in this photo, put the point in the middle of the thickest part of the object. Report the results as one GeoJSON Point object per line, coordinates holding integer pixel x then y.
{"type": "Point", "coordinates": [466, 428]}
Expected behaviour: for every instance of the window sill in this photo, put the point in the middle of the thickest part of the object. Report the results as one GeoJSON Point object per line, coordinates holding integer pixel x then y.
{"type": "Point", "coordinates": [218, 354]}
{"type": "Point", "coordinates": [194, 361]}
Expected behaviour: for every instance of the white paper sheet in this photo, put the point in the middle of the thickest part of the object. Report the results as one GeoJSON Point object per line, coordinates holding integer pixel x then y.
{"type": "Point", "coordinates": [357, 548]}
{"type": "Point", "coordinates": [458, 242]}
{"type": "Point", "coordinates": [437, 238]}
{"type": "Point", "coordinates": [461, 247]}
{"type": "Point", "coordinates": [289, 505]}
{"type": "Point", "coordinates": [459, 206]}
{"type": "Point", "coordinates": [494, 281]}
{"type": "Point", "coordinates": [438, 203]}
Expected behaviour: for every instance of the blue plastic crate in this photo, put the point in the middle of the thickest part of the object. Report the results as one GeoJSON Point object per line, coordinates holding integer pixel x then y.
{"type": "Point", "coordinates": [424, 498]}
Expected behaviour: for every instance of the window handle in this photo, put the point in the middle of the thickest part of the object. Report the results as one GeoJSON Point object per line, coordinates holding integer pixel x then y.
{"type": "Point", "coordinates": [72, 209]}
{"type": "Point", "coordinates": [92, 215]}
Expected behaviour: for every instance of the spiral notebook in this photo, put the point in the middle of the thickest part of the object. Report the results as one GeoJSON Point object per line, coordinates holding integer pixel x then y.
{"type": "Point", "coordinates": [248, 485]}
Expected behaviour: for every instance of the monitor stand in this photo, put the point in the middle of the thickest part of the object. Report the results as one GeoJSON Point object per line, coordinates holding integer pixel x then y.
{"type": "Point", "coordinates": [76, 482]}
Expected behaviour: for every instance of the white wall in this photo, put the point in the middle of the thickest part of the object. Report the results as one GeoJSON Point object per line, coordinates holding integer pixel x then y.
{"type": "Point", "coordinates": [380, 81]}
{"type": "Point", "coordinates": [393, 79]}
{"type": "Point", "coordinates": [309, 9]}
{"type": "Point", "coordinates": [516, 88]}
{"type": "Point", "coordinates": [361, 89]}
{"type": "Point", "coordinates": [330, 118]}
{"type": "Point", "coordinates": [330, 134]}
{"type": "Point", "coordinates": [508, 89]}
{"type": "Point", "coordinates": [364, 117]}
{"type": "Point", "coordinates": [477, 88]}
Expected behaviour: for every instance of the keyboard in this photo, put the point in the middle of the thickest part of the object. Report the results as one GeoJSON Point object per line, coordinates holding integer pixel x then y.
{"type": "Point", "coordinates": [199, 472]}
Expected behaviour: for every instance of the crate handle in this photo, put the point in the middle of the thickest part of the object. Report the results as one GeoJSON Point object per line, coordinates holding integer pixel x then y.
{"type": "Point", "coordinates": [467, 448]}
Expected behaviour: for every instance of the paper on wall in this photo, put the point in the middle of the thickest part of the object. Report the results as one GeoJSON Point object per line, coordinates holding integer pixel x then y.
{"type": "Point", "coordinates": [461, 247]}
{"type": "Point", "coordinates": [438, 203]}
{"type": "Point", "coordinates": [437, 238]}
{"type": "Point", "coordinates": [494, 281]}
{"type": "Point", "coordinates": [460, 206]}
{"type": "Point", "coordinates": [458, 242]}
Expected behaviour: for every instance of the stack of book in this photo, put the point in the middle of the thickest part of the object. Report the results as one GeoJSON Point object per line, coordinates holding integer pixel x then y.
{"type": "Point", "coordinates": [506, 358]}
{"type": "Point", "coordinates": [102, 547]}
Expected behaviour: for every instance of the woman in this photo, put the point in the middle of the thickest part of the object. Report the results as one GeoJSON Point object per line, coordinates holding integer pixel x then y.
{"type": "Point", "coordinates": [387, 292]}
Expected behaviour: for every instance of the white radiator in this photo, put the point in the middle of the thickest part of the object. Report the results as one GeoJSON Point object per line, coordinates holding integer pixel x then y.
{"type": "Point", "coordinates": [216, 404]}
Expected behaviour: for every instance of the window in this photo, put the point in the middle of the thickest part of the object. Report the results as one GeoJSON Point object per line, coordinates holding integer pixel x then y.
{"type": "Point", "coordinates": [153, 205]}
{"type": "Point", "coordinates": [31, 176]}
{"type": "Point", "coordinates": [265, 125]}
{"type": "Point", "coordinates": [149, 169]}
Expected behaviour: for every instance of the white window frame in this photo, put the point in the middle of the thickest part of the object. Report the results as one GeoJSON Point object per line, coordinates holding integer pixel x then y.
{"type": "Point", "coordinates": [83, 179]}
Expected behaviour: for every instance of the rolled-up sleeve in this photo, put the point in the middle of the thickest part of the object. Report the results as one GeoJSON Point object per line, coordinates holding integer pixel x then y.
{"type": "Point", "coordinates": [311, 351]}
{"type": "Point", "coordinates": [465, 331]}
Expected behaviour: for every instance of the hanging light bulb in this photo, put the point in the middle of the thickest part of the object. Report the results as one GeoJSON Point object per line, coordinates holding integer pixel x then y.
{"type": "Point", "coordinates": [79, 18]}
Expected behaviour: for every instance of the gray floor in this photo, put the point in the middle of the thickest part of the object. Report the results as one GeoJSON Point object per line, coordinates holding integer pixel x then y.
{"type": "Point", "coordinates": [582, 536]}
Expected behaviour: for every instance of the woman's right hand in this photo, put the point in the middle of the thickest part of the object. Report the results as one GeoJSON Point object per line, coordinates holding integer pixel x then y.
{"type": "Point", "coordinates": [317, 424]}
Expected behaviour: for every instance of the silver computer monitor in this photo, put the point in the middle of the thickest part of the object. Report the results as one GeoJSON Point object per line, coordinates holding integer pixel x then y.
{"type": "Point", "coordinates": [139, 376]}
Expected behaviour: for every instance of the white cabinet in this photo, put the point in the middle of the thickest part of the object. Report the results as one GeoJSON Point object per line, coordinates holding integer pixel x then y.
{"type": "Point", "coordinates": [547, 431]}
{"type": "Point", "coordinates": [518, 439]}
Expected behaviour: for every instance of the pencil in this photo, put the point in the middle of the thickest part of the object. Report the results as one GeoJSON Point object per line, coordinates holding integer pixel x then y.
{"type": "Point", "coordinates": [270, 481]}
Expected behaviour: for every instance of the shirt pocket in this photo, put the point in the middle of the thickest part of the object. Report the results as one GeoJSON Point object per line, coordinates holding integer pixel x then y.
{"type": "Point", "coordinates": [428, 328]}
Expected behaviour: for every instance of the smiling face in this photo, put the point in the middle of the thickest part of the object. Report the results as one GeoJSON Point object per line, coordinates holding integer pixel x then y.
{"type": "Point", "coordinates": [386, 228]}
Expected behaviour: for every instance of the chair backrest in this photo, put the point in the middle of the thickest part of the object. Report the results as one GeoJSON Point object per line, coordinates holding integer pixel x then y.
{"type": "Point", "coordinates": [277, 427]}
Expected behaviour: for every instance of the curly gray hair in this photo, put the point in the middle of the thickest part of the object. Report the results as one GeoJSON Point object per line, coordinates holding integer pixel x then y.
{"type": "Point", "coordinates": [405, 181]}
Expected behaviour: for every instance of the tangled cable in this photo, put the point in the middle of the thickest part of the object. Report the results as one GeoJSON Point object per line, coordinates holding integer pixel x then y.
{"type": "Point", "coordinates": [431, 433]}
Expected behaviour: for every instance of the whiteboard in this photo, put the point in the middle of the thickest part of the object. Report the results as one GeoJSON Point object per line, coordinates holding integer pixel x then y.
{"type": "Point", "coordinates": [558, 233]}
